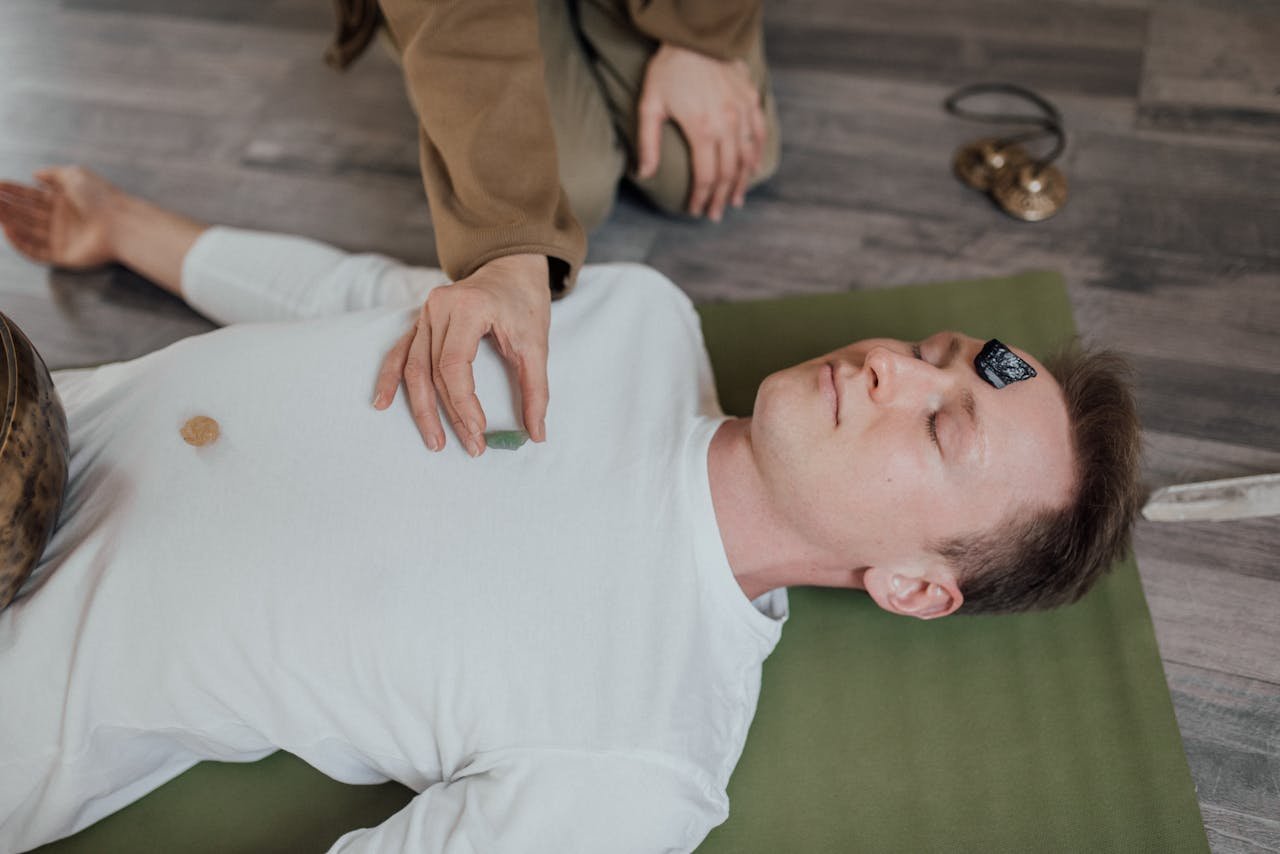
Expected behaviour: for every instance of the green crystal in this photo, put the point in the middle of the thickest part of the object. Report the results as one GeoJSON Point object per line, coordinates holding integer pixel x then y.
{"type": "Point", "coordinates": [506, 440]}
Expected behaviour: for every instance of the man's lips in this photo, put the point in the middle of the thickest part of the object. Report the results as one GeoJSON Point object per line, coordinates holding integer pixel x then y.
{"type": "Point", "coordinates": [830, 389]}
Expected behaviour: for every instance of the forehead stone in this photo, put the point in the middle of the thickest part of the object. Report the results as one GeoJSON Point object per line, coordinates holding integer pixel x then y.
{"type": "Point", "coordinates": [998, 365]}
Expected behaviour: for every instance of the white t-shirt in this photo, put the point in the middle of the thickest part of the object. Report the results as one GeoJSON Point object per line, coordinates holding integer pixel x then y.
{"type": "Point", "coordinates": [548, 644]}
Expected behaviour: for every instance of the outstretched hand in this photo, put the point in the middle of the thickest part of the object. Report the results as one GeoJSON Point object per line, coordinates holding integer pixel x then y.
{"type": "Point", "coordinates": [63, 221]}
{"type": "Point", "coordinates": [507, 298]}
{"type": "Point", "coordinates": [718, 109]}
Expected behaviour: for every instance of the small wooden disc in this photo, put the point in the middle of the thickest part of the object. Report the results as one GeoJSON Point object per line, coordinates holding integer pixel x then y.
{"type": "Point", "coordinates": [201, 430]}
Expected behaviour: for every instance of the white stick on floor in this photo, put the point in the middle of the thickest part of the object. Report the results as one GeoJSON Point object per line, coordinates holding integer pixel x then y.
{"type": "Point", "coordinates": [1216, 500]}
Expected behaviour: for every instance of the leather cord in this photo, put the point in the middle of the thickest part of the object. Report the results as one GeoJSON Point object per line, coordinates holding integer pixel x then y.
{"type": "Point", "coordinates": [1048, 120]}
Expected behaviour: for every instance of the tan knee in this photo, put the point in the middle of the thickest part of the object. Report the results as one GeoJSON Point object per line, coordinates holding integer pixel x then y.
{"type": "Point", "coordinates": [670, 186]}
{"type": "Point", "coordinates": [590, 180]}
{"type": "Point", "coordinates": [588, 153]}
{"type": "Point", "coordinates": [772, 153]}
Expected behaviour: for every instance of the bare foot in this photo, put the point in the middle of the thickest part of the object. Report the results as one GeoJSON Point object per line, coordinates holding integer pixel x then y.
{"type": "Point", "coordinates": [65, 221]}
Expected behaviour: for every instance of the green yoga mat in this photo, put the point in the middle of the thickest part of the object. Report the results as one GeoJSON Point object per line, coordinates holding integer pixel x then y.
{"type": "Point", "coordinates": [1043, 732]}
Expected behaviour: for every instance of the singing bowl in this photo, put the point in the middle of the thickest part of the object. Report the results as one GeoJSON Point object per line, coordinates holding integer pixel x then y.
{"type": "Point", "coordinates": [34, 452]}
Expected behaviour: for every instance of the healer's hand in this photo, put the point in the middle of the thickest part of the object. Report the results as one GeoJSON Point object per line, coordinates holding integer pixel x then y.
{"type": "Point", "coordinates": [717, 108]}
{"type": "Point", "coordinates": [508, 298]}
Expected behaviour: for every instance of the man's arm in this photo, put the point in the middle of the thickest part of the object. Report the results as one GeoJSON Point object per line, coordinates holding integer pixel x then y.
{"type": "Point", "coordinates": [75, 219]}
{"type": "Point", "coordinates": [235, 276]}
{"type": "Point", "coordinates": [551, 802]}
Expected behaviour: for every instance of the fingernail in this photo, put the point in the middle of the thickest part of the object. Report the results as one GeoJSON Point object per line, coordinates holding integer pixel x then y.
{"type": "Point", "coordinates": [715, 217]}
{"type": "Point", "coordinates": [473, 447]}
{"type": "Point", "coordinates": [433, 442]}
{"type": "Point", "coordinates": [377, 400]}
{"type": "Point", "coordinates": [542, 431]}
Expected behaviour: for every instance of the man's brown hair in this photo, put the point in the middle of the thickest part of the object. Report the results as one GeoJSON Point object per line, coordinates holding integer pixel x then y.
{"type": "Point", "coordinates": [1053, 557]}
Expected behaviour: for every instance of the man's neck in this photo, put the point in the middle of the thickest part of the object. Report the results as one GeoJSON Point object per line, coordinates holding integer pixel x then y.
{"type": "Point", "coordinates": [763, 551]}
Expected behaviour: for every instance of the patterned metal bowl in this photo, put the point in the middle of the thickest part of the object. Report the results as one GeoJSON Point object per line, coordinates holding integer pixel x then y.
{"type": "Point", "coordinates": [33, 458]}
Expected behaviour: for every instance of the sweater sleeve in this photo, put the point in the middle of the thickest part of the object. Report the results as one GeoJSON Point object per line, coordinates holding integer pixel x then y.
{"type": "Point", "coordinates": [231, 275]}
{"type": "Point", "coordinates": [724, 29]}
{"type": "Point", "coordinates": [552, 802]}
{"type": "Point", "coordinates": [474, 74]}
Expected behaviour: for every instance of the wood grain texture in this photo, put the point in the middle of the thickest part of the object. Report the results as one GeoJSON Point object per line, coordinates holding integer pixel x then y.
{"type": "Point", "coordinates": [1210, 617]}
{"type": "Point", "coordinates": [1246, 543]}
{"type": "Point", "coordinates": [1228, 404]}
{"type": "Point", "coordinates": [294, 14]}
{"type": "Point", "coordinates": [1170, 240]}
{"type": "Point", "coordinates": [1213, 66]}
{"type": "Point", "coordinates": [1058, 46]}
{"type": "Point", "coordinates": [1229, 732]}
{"type": "Point", "coordinates": [1171, 459]}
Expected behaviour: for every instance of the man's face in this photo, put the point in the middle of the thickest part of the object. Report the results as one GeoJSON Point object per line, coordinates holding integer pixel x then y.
{"type": "Point", "coordinates": [884, 447]}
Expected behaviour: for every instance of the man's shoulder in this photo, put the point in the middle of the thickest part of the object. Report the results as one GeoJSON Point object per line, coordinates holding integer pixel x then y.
{"type": "Point", "coordinates": [632, 282]}
{"type": "Point", "coordinates": [626, 274]}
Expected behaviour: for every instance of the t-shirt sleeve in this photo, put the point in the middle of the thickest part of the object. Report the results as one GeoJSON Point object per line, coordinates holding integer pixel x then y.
{"type": "Point", "coordinates": [236, 276]}
{"type": "Point", "coordinates": [553, 801]}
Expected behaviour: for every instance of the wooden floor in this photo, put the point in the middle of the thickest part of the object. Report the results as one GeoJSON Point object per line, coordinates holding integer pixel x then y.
{"type": "Point", "coordinates": [1170, 242]}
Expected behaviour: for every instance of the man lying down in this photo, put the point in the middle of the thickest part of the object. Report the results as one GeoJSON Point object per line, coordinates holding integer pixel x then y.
{"type": "Point", "coordinates": [557, 647]}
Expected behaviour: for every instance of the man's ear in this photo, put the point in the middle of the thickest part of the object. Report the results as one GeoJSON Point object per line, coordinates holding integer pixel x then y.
{"type": "Point", "coordinates": [927, 596]}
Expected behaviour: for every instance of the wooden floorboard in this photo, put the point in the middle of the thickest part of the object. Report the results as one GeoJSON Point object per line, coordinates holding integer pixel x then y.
{"type": "Point", "coordinates": [1209, 616]}
{"type": "Point", "coordinates": [1229, 733]}
{"type": "Point", "coordinates": [1213, 66]}
{"type": "Point", "coordinates": [1229, 404]}
{"type": "Point", "coordinates": [1170, 241]}
{"type": "Point", "coordinates": [292, 14]}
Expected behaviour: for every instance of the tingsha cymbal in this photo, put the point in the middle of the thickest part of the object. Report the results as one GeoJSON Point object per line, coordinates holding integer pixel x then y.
{"type": "Point", "coordinates": [978, 162]}
{"type": "Point", "coordinates": [1030, 192]}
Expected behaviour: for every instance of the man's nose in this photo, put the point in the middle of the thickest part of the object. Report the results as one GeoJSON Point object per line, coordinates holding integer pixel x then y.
{"type": "Point", "coordinates": [894, 377]}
